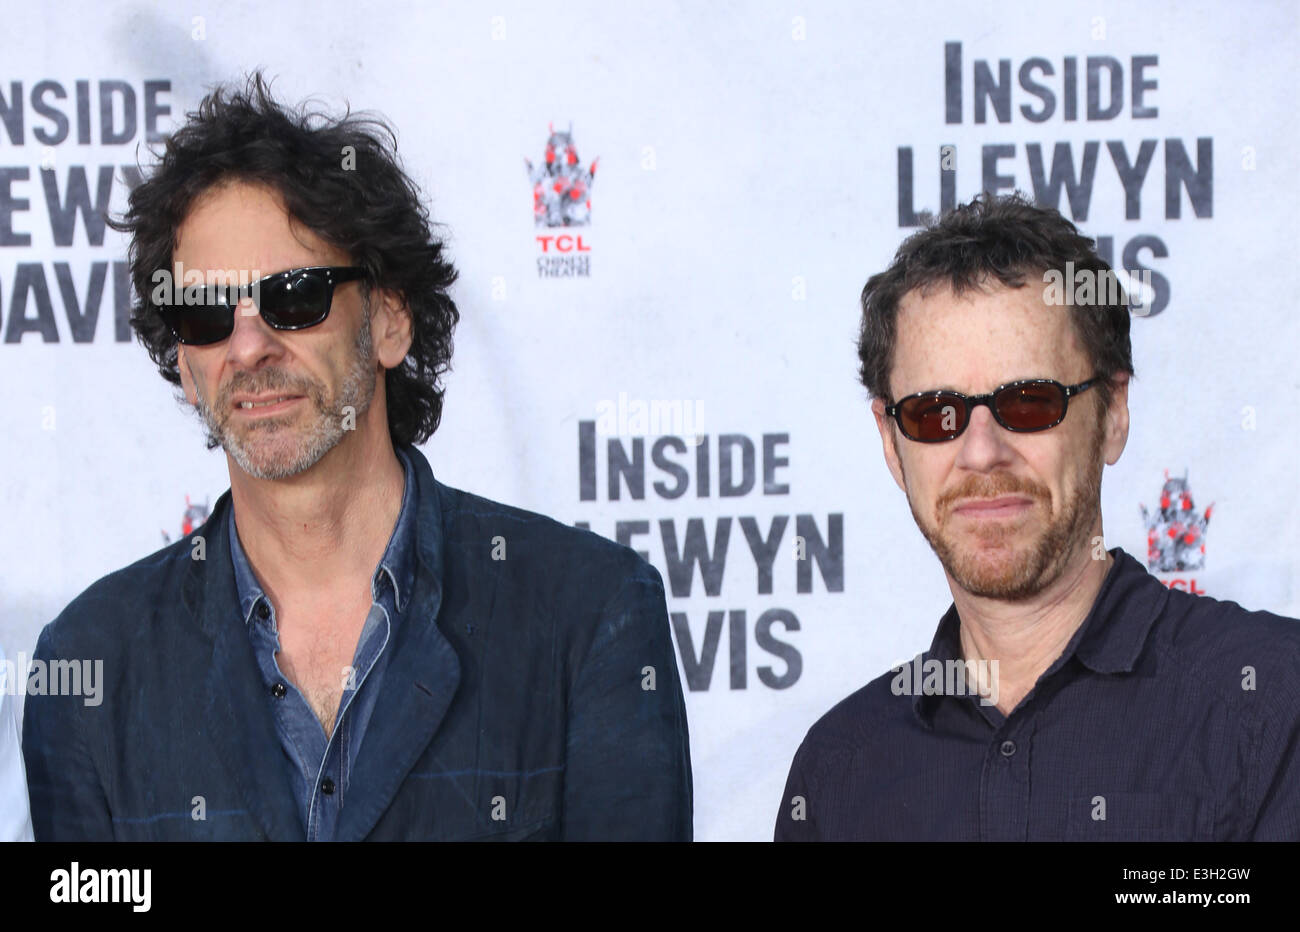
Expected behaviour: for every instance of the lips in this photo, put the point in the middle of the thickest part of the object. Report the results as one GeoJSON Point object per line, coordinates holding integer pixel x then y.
{"type": "Point", "coordinates": [1000, 507]}
{"type": "Point", "coordinates": [262, 402]}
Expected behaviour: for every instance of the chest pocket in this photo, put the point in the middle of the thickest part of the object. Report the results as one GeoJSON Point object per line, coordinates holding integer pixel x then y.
{"type": "Point", "coordinates": [1139, 817]}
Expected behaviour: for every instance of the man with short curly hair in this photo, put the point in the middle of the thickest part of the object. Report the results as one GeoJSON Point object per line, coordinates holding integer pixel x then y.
{"type": "Point", "coordinates": [1067, 694]}
{"type": "Point", "coordinates": [347, 649]}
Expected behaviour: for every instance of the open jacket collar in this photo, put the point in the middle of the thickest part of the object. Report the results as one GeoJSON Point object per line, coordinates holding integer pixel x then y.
{"type": "Point", "coordinates": [416, 691]}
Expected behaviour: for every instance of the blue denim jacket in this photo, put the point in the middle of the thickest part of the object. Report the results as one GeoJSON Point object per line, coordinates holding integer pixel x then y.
{"type": "Point", "coordinates": [516, 704]}
{"type": "Point", "coordinates": [321, 765]}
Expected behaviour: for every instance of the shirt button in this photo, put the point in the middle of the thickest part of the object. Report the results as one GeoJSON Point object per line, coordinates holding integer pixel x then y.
{"type": "Point", "coordinates": [278, 690]}
{"type": "Point", "coordinates": [262, 611]}
{"type": "Point", "coordinates": [1008, 748]}
{"type": "Point", "coordinates": [327, 786]}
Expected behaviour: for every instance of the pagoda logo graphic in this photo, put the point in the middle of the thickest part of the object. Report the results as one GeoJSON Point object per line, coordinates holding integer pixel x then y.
{"type": "Point", "coordinates": [561, 186]}
{"type": "Point", "coordinates": [1175, 532]}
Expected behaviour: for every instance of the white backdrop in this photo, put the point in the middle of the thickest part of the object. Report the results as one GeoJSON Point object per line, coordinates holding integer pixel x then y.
{"type": "Point", "coordinates": [748, 183]}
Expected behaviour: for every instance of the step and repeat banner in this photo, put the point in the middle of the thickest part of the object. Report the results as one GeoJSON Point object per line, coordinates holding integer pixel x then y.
{"type": "Point", "coordinates": [663, 215]}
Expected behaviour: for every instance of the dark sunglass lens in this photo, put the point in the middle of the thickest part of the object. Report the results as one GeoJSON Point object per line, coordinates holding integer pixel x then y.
{"type": "Point", "coordinates": [940, 416]}
{"type": "Point", "coordinates": [209, 321]}
{"type": "Point", "coordinates": [1032, 406]}
{"type": "Point", "coordinates": [298, 301]}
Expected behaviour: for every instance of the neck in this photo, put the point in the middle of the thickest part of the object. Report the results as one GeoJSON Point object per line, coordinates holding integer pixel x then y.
{"type": "Point", "coordinates": [321, 533]}
{"type": "Point", "coordinates": [1026, 637]}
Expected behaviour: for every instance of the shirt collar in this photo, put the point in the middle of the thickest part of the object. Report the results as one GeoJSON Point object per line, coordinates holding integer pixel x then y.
{"type": "Point", "coordinates": [1130, 601]}
{"type": "Point", "coordinates": [398, 560]}
{"type": "Point", "coordinates": [250, 591]}
{"type": "Point", "coordinates": [397, 565]}
{"type": "Point", "coordinates": [1109, 641]}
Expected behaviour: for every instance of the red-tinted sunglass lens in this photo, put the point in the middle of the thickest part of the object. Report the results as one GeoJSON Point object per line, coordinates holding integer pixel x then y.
{"type": "Point", "coordinates": [940, 416]}
{"type": "Point", "coordinates": [1032, 406]}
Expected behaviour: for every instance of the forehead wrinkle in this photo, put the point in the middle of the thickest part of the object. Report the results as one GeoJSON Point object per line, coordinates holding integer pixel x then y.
{"type": "Point", "coordinates": [939, 323]}
{"type": "Point", "coordinates": [233, 202]}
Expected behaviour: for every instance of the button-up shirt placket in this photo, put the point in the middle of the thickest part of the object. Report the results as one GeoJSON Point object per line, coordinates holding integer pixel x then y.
{"type": "Point", "coordinates": [304, 742]}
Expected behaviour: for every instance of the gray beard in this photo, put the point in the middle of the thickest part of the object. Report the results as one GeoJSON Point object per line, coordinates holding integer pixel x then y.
{"type": "Point", "coordinates": [286, 451]}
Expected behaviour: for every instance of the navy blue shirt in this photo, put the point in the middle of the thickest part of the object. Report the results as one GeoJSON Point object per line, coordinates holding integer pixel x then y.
{"type": "Point", "coordinates": [1168, 717]}
{"type": "Point", "coordinates": [320, 766]}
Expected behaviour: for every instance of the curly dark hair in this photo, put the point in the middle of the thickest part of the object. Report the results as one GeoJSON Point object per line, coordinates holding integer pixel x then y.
{"type": "Point", "coordinates": [374, 213]}
{"type": "Point", "coordinates": [1004, 238]}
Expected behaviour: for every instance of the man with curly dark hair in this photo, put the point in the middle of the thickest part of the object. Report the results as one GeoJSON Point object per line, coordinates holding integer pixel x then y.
{"type": "Point", "coordinates": [347, 649]}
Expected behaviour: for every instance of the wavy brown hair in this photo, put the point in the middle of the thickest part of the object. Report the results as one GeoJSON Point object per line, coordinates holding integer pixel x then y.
{"type": "Point", "coordinates": [371, 210]}
{"type": "Point", "coordinates": [1006, 239]}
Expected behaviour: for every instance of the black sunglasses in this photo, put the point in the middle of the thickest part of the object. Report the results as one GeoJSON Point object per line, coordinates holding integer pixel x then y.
{"type": "Point", "coordinates": [1024, 406]}
{"type": "Point", "coordinates": [289, 300]}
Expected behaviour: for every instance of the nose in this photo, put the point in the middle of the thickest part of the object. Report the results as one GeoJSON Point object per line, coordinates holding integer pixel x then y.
{"type": "Point", "coordinates": [253, 340]}
{"type": "Point", "coordinates": [984, 443]}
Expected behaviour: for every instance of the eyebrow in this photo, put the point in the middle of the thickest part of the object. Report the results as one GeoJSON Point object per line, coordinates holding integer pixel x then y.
{"type": "Point", "coordinates": [931, 391]}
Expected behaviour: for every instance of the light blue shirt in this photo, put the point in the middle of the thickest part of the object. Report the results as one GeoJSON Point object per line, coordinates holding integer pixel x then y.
{"type": "Point", "coordinates": [320, 766]}
{"type": "Point", "coordinates": [15, 816]}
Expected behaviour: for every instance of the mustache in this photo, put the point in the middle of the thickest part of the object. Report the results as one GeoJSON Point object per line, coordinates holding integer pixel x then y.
{"type": "Point", "coordinates": [270, 382]}
{"type": "Point", "coordinates": [991, 487]}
